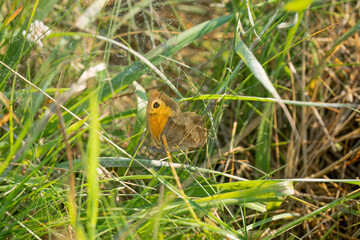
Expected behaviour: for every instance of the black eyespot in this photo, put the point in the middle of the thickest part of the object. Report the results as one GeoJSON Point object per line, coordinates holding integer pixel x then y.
{"type": "Point", "coordinates": [156, 105]}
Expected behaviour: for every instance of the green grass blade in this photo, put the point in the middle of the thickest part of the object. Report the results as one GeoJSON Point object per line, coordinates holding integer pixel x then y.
{"type": "Point", "coordinates": [259, 73]}
{"type": "Point", "coordinates": [135, 70]}
{"type": "Point", "coordinates": [140, 123]}
{"type": "Point", "coordinates": [92, 166]}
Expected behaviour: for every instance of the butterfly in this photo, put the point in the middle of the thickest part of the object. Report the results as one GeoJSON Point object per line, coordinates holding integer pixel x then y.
{"type": "Point", "coordinates": [166, 122]}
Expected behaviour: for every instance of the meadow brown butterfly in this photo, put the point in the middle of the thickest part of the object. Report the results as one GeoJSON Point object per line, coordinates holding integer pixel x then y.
{"type": "Point", "coordinates": [182, 130]}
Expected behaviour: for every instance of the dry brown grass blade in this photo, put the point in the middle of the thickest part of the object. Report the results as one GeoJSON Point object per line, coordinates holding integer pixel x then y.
{"type": "Point", "coordinates": [6, 102]}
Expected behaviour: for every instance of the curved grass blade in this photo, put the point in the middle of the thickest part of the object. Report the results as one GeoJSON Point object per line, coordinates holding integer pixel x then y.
{"type": "Point", "coordinates": [135, 70]}
{"type": "Point", "coordinates": [259, 73]}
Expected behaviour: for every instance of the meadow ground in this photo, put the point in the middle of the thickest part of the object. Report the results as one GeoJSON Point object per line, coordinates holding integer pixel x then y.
{"type": "Point", "coordinates": [277, 85]}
